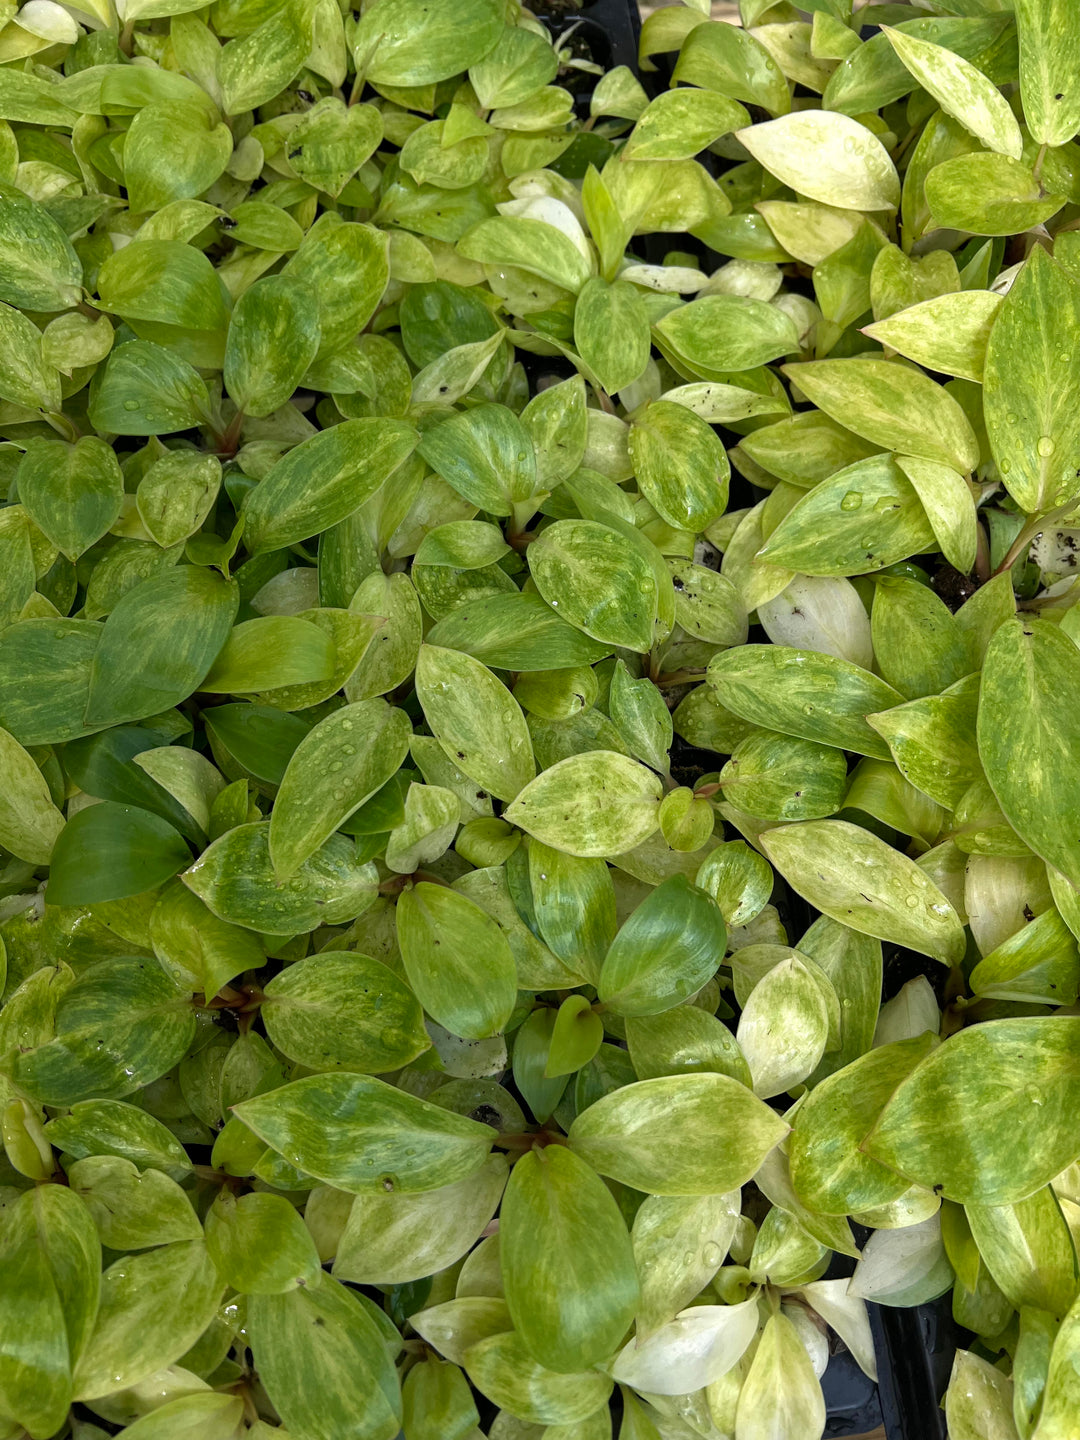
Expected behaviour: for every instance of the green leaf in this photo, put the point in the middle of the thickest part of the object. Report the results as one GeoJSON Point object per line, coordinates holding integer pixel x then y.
{"type": "Point", "coordinates": [457, 959]}
{"type": "Point", "coordinates": [573, 906]}
{"type": "Point", "coordinates": [596, 804]}
{"type": "Point", "coordinates": [1026, 728]}
{"type": "Point", "coordinates": [259, 1244]}
{"type": "Point", "coordinates": [862, 519]}
{"type": "Point", "coordinates": [41, 270]}
{"type": "Point", "coordinates": [109, 1127]}
{"type": "Point", "coordinates": [611, 332]}
{"type": "Point", "coordinates": [29, 821]}
{"type": "Point", "coordinates": [323, 480]}
{"type": "Point", "coordinates": [501, 1368]}
{"type": "Point", "coordinates": [486, 455]}
{"type": "Point", "coordinates": [987, 1117]}
{"type": "Point", "coordinates": [950, 507]}
{"type": "Point", "coordinates": [35, 1370]}
{"type": "Point", "coordinates": [253, 69]}
{"type": "Point", "coordinates": [173, 151]}
{"type": "Point", "coordinates": [176, 494]}
{"type": "Point", "coordinates": [476, 720]}
{"type": "Point", "coordinates": [131, 1210]}
{"type": "Point", "coordinates": [236, 879]}
{"type": "Point", "coordinates": [721, 333]}
{"type": "Point", "coordinates": [681, 1135]}
{"type": "Point", "coordinates": [1038, 964]}
{"type": "Point", "coordinates": [320, 1336]}
{"type": "Point", "coordinates": [347, 265]}
{"type": "Point", "coordinates": [268, 653]}
{"type": "Point", "coordinates": [987, 194]}
{"type": "Point", "coordinates": [640, 715]}
{"type": "Point", "coordinates": [344, 1011]}
{"type": "Point", "coordinates": [804, 693]}
{"type": "Point", "coordinates": [830, 1172]}
{"type": "Point", "coordinates": [736, 65]}
{"type": "Point", "coordinates": [197, 949]}
{"type": "Point", "coordinates": [780, 1394]}
{"type": "Point", "coordinates": [153, 1308]}
{"type": "Point", "coordinates": [405, 42]}
{"type": "Point", "coordinates": [530, 245]}
{"type": "Point", "coordinates": [364, 1136]}
{"type": "Point", "coordinates": [948, 332]}
{"type": "Point", "coordinates": [576, 1037]}
{"type": "Point", "coordinates": [274, 335]}
{"type": "Point", "coordinates": [597, 579]}
{"type": "Point", "coordinates": [1048, 76]}
{"type": "Point", "coordinates": [1031, 419]}
{"type": "Point", "coordinates": [567, 1264]}
{"type": "Point", "coordinates": [828, 157]}
{"type": "Point", "coordinates": [681, 467]}
{"type": "Point", "coordinates": [395, 1238]}
{"type": "Point", "coordinates": [932, 741]}
{"type": "Point", "coordinates": [516, 632]}
{"type": "Point", "coordinates": [1028, 1249]}
{"type": "Point", "coordinates": [979, 1400]}
{"type": "Point", "coordinates": [920, 648]}
{"type": "Point", "coordinates": [891, 404]}
{"type": "Point", "coordinates": [780, 778]}
{"type": "Point", "coordinates": [666, 950]}
{"type": "Point", "coordinates": [784, 1027]}
{"type": "Point", "coordinates": [176, 622]}
{"type": "Point", "coordinates": [110, 851]}
{"type": "Point", "coordinates": [679, 124]}
{"type": "Point", "coordinates": [118, 1027]}
{"type": "Point", "coordinates": [962, 91]}
{"type": "Point", "coordinates": [851, 875]}
{"type": "Point", "coordinates": [162, 282]}
{"type": "Point", "coordinates": [25, 377]}
{"type": "Point", "coordinates": [341, 763]}
{"type": "Point", "coordinates": [1059, 1394]}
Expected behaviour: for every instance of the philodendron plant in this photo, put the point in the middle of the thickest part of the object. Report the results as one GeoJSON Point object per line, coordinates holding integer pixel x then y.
{"type": "Point", "coordinates": [443, 940]}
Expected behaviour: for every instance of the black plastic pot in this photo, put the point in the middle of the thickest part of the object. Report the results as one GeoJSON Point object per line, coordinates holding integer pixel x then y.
{"type": "Point", "coordinates": [914, 1346]}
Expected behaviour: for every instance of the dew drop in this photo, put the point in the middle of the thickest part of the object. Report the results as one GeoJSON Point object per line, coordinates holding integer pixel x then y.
{"type": "Point", "coordinates": [348, 749]}
{"type": "Point", "coordinates": [335, 767]}
{"type": "Point", "coordinates": [1034, 1095]}
{"type": "Point", "coordinates": [131, 404]}
{"type": "Point", "coordinates": [912, 902]}
{"type": "Point", "coordinates": [852, 500]}
{"type": "Point", "coordinates": [1005, 467]}
{"type": "Point", "coordinates": [712, 1254]}
{"type": "Point", "coordinates": [1046, 446]}
{"type": "Point", "coordinates": [346, 724]}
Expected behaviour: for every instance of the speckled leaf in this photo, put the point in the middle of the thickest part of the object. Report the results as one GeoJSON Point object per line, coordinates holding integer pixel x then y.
{"type": "Point", "coordinates": [987, 1118]}
{"type": "Point", "coordinates": [1029, 721]}
{"type": "Point", "coordinates": [891, 404]}
{"type": "Point", "coordinates": [362, 1135]}
{"type": "Point", "coordinates": [457, 959]}
{"type": "Point", "coordinates": [1030, 401]}
{"type": "Point", "coordinates": [235, 878]}
{"type": "Point", "coordinates": [680, 1135]}
{"type": "Point", "coordinates": [567, 1264]}
{"type": "Point", "coordinates": [339, 765]}
{"type": "Point", "coordinates": [476, 720]}
{"type": "Point", "coordinates": [850, 874]}
{"type": "Point", "coordinates": [344, 1011]}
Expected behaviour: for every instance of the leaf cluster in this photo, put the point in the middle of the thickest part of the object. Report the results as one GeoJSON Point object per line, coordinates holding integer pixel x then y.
{"type": "Point", "coordinates": [484, 690]}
